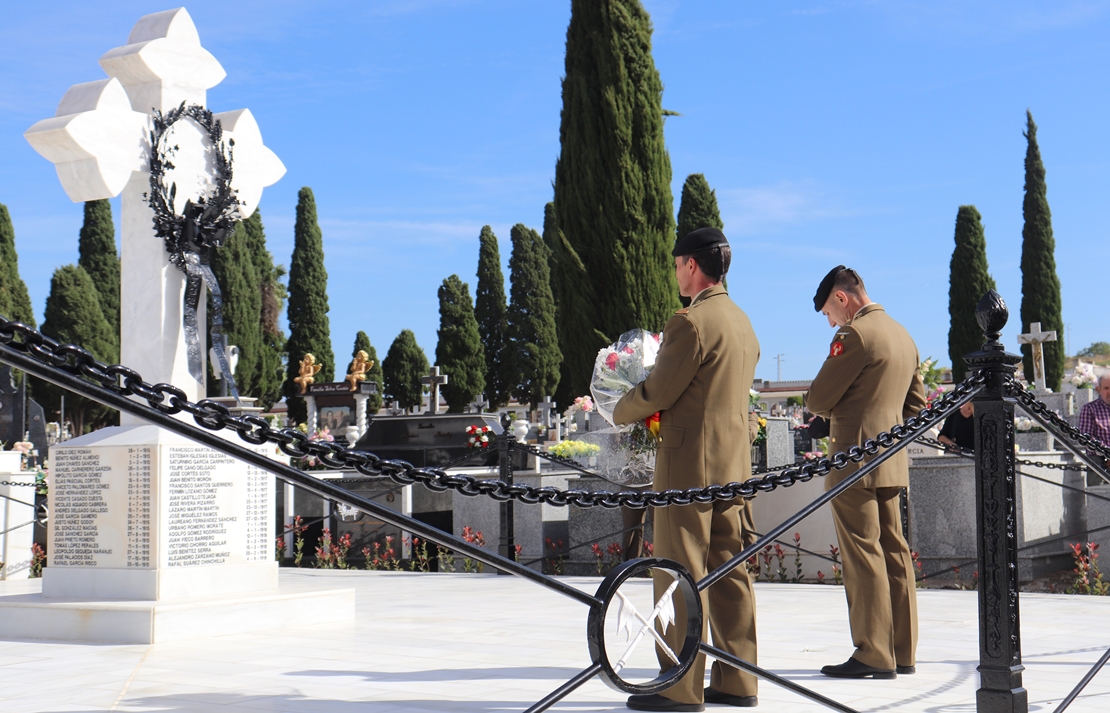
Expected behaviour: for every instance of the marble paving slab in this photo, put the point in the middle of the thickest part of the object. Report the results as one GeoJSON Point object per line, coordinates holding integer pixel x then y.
{"type": "Point", "coordinates": [458, 642]}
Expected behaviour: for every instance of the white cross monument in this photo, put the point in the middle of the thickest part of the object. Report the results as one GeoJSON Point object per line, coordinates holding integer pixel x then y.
{"type": "Point", "coordinates": [434, 380]}
{"type": "Point", "coordinates": [183, 532]}
{"type": "Point", "coordinates": [1036, 337]}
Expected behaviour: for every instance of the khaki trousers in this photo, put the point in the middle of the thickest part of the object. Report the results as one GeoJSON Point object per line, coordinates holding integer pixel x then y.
{"type": "Point", "coordinates": [702, 537]}
{"type": "Point", "coordinates": [878, 576]}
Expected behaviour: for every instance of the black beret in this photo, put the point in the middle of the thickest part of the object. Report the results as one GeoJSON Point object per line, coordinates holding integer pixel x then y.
{"type": "Point", "coordinates": [699, 239]}
{"type": "Point", "coordinates": [825, 288]}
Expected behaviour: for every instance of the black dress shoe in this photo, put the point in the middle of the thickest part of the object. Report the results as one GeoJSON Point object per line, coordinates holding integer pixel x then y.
{"type": "Point", "coordinates": [656, 702]}
{"type": "Point", "coordinates": [906, 670]}
{"type": "Point", "coordinates": [712, 695]}
{"type": "Point", "coordinates": [854, 669]}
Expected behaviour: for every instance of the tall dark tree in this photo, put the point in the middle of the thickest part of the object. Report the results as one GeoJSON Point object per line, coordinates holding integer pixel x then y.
{"type": "Point", "coordinates": [698, 207]}
{"type": "Point", "coordinates": [491, 312]}
{"type": "Point", "coordinates": [15, 302]}
{"type": "Point", "coordinates": [96, 248]}
{"type": "Point", "coordinates": [612, 183]}
{"type": "Point", "coordinates": [240, 287]}
{"type": "Point", "coordinates": [533, 343]}
{"type": "Point", "coordinates": [405, 364]}
{"type": "Point", "coordinates": [271, 362]}
{"type": "Point", "coordinates": [362, 342]}
{"type": "Point", "coordinates": [573, 294]}
{"type": "Point", "coordinates": [459, 351]}
{"type": "Point", "coordinates": [73, 315]}
{"type": "Point", "coordinates": [968, 281]}
{"type": "Point", "coordinates": [1040, 286]}
{"type": "Point", "coordinates": [309, 329]}
{"type": "Point", "coordinates": [252, 293]}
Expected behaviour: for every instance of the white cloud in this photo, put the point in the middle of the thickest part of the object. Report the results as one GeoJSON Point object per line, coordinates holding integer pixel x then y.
{"type": "Point", "coordinates": [763, 209]}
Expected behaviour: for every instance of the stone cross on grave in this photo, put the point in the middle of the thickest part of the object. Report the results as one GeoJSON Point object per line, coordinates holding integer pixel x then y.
{"type": "Point", "coordinates": [1037, 338]}
{"type": "Point", "coordinates": [479, 403]}
{"type": "Point", "coordinates": [434, 380]}
{"type": "Point", "coordinates": [546, 407]}
{"type": "Point", "coordinates": [99, 142]}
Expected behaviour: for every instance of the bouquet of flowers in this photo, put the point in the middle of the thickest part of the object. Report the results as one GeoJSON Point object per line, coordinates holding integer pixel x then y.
{"type": "Point", "coordinates": [1084, 376]}
{"type": "Point", "coordinates": [478, 436]}
{"type": "Point", "coordinates": [618, 368]}
{"type": "Point", "coordinates": [621, 366]}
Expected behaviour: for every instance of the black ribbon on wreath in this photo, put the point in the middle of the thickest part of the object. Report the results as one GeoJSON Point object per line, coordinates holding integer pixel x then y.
{"type": "Point", "coordinates": [190, 238]}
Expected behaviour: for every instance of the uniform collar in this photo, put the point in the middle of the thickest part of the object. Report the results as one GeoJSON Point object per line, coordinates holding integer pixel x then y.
{"type": "Point", "coordinates": [711, 291]}
{"type": "Point", "coordinates": [865, 310]}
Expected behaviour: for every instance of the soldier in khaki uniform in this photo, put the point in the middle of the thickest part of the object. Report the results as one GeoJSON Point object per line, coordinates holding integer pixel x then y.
{"type": "Point", "coordinates": [700, 385]}
{"type": "Point", "coordinates": [869, 382]}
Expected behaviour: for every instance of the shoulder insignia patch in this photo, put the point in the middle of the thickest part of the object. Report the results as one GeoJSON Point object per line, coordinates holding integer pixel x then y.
{"type": "Point", "coordinates": [836, 350]}
{"type": "Point", "coordinates": [685, 310]}
{"type": "Point", "coordinates": [841, 335]}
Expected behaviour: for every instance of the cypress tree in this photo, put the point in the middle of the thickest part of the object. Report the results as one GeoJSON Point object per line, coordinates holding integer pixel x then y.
{"type": "Point", "coordinates": [309, 330]}
{"type": "Point", "coordinates": [612, 182]}
{"type": "Point", "coordinates": [15, 302]}
{"type": "Point", "coordinates": [362, 342]}
{"type": "Point", "coordinates": [405, 364]}
{"type": "Point", "coordinates": [97, 249]}
{"type": "Point", "coordinates": [968, 281]}
{"type": "Point", "coordinates": [459, 351]}
{"type": "Point", "coordinates": [1040, 286]}
{"type": "Point", "coordinates": [533, 345]}
{"type": "Point", "coordinates": [698, 207]}
{"type": "Point", "coordinates": [271, 363]}
{"type": "Point", "coordinates": [491, 312]}
{"type": "Point", "coordinates": [240, 286]}
{"type": "Point", "coordinates": [73, 315]}
{"type": "Point", "coordinates": [574, 298]}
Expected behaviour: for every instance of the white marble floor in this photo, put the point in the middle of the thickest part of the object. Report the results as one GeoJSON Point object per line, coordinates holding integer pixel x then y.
{"type": "Point", "coordinates": [456, 642]}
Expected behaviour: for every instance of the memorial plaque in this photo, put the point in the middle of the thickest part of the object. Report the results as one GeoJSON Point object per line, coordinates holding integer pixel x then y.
{"type": "Point", "coordinates": [165, 507]}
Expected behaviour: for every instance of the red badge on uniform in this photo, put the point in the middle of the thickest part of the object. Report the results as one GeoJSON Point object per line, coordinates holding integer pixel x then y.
{"type": "Point", "coordinates": [836, 350]}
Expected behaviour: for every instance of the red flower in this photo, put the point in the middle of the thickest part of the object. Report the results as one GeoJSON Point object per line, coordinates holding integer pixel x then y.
{"type": "Point", "coordinates": [612, 360]}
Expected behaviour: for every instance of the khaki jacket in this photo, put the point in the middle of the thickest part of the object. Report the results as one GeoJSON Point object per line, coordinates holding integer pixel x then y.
{"type": "Point", "coordinates": [870, 381]}
{"type": "Point", "coordinates": [700, 383]}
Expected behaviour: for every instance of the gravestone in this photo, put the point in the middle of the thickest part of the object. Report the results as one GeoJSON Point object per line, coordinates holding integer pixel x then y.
{"type": "Point", "coordinates": [434, 380]}
{"type": "Point", "coordinates": [17, 421]}
{"type": "Point", "coordinates": [182, 532]}
{"type": "Point", "coordinates": [1037, 338]}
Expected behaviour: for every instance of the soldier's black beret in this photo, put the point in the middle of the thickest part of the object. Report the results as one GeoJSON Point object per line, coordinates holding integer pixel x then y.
{"type": "Point", "coordinates": [825, 288]}
{"type": "Point", "coordinates": [699, 239]}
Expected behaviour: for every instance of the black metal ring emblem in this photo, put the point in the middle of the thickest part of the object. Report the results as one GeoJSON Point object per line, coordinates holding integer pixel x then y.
{"type": "Point", "coordinates": [683, 585]}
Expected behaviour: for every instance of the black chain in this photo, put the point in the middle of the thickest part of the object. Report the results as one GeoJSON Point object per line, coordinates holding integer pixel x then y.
{"type": "Point", "coordinates": [967, 453]}
{"type": "Point", "coordinates": [256, 430]}
{"type": "Point", "coordinates": [25, 485]}
{"type": "Point", "coordinates": [1033, 405]}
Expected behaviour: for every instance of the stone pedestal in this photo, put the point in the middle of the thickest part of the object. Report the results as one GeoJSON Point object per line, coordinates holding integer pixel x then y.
{"type": "Point", "coordinates": [155, 538]}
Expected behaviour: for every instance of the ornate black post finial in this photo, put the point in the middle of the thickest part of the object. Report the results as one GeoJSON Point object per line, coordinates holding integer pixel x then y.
{"type": "Point", "coordinates": [992, 314]}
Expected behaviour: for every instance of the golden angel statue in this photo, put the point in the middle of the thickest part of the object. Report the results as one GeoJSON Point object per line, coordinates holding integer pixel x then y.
{"type": "Point", "coordinates": [308, 371]}
{"type": "Point", "coordinates": [359, 368]}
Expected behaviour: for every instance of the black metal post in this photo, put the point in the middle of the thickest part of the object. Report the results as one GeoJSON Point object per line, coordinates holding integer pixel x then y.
{"type": "Point", "coordinates": [507, 546]}
{"type": "Point", "coordinates": [1000, 689]}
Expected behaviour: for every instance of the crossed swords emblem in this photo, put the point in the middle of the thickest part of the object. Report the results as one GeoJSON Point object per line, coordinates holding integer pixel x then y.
{"type": "Point", "coordinates": [627, 615]}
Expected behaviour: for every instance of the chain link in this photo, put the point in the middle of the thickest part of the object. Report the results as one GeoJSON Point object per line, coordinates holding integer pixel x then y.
{"type": "Point", "coordinates": [25, 485]}
{"type": "Point", "coordinates": [214, 416]}
{"type": "Point", "coordinates": [967, 453]}
{"type": "Point", "coordinates": [1035, 406]}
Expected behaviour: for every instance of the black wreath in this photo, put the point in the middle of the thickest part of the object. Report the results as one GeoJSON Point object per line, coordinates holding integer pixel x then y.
{"type": "Point", "coordinates": [206, 223]}
{"type": "Point", "coordinates": [191, 237]}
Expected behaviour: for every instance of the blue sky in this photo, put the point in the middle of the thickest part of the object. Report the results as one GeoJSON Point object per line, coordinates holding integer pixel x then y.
{"type": "Point", "coordinates": [833, 132]}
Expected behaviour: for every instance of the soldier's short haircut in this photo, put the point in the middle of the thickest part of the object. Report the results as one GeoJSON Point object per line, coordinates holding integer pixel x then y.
{"type": "Point", "coordinates": [713, 262]}
{"type": "Point", "coordinates": [849, 282]}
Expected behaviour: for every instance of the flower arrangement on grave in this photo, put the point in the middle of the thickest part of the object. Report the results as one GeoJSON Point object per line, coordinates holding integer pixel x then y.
{"type": "Point", "coordinates": [617, 370]}
{"type": "Point", "coordinates": [1084, 376]}
{"type": "Point", "coordinates": [761, 436]}
{"type": "Point", "coordinates": [754, 398]}
{"type": "Point", "coordinates": [1024, 424]}
{"type": "Point", "coordinates": [478, 436]}
{"type": "Point", "coordinates": [582, 403]}
{"type": "Point", "coordinates": [574, 449]}
{"type": "Point", "coordinates": [931, 374]}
